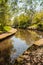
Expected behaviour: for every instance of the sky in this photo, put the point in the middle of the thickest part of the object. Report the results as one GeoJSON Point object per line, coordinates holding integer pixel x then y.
{"type": "Point", "coordinates": [23, 3]}
{"type": "Point", "coordinates": [38, 8]}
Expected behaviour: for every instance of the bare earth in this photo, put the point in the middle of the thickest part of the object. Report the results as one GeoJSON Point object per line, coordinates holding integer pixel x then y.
{"type": "Point", "coordinates": [4, 35]}
{"type": "Point", "coordinates": [39, 42]}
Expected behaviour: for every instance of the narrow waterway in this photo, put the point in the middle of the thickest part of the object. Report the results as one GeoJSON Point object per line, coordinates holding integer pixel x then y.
{"type": "Point", "coordinates": [13, 47]}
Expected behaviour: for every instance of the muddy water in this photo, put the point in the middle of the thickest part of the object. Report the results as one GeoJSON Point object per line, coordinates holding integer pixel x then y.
{"type": "Point", "coordinates": [13, 47]}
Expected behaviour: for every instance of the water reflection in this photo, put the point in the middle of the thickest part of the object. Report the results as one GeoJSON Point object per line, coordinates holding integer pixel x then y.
{"type": "Point", "coordinates": [29, 36]}
{"type": "Point", "coordinates": [14, 46]}
{"type": "Point", "coordinates": [5, 51]}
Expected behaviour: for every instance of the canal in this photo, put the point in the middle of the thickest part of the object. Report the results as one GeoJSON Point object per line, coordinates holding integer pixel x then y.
{"type": "Point", "coordinates": [12, 47]}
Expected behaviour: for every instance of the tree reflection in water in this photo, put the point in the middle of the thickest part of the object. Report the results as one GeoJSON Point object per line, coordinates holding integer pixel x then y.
{"type": "Point", "coordinates": [28, 35]}
{"type": "Point", "coordinates": [21, 41]}
{"type": "Point", "coordinates": [5, 52]}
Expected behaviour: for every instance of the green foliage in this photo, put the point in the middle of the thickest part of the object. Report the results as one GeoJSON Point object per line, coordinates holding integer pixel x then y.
{"type": "Point", "coordinates": [34, 26]}
{"type": "Point", "coordinates": [7, 28]}
{"type": "Point", "coordinates": [37, 17]}
{"type": "Point", "coordinates": [4, 16]}
{"type": "Point", "coordinates": [27, 20]}
{"type": "Point", "coordinates": [38, 20]}
{"type": "Point", "coordinates": [40, 26]}
{"type": "Point", "coordinates": [30, 17]}
{"type": "Point", "coordinates": [22, 21]}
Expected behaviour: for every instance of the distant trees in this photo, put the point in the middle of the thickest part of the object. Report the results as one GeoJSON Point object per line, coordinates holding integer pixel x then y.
{"type": "Point", "coordinates": [22, 21]}
{"type": "Point", "coordinates": [25, 20]}
{"type": "Point", "coordinates": [8, 8]}
{"type": "Point", "coordinates": [34, 15]}
{"type": "Point", "coordinates": [37, 20]}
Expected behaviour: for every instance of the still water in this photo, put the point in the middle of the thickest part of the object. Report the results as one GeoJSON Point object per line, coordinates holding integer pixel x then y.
{"type": "Point", "coordinates": [13, 47]}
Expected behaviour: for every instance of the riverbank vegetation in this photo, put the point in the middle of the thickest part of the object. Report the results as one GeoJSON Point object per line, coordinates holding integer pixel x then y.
{"type": "Point", "coordinates": [21, 14]}
{"type": "Point", "coordinates": [25, 20]}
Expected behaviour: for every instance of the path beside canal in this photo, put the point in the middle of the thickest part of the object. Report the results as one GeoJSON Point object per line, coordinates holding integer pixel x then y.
{"type": "Point", "coordinates": [7, 34]}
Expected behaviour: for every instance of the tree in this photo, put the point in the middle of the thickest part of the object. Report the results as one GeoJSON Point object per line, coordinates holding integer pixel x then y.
{"type": "Point", "coordinates": [3, 14]}
{"type": "Point", "coordinates": [22, 21]}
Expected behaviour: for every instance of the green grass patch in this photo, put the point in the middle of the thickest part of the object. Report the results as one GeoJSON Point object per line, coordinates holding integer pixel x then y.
{"type": "Point", "coordinates": [7, 28]}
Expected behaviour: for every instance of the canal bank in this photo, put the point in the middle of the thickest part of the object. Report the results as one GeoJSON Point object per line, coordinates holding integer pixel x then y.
{"type": "Point", "coordinates": [33, 56]}
{"type": "Point", "coordinates": [8, 34]}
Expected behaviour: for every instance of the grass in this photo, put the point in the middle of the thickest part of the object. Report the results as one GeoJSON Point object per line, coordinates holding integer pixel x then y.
{"type": "Point", "coordinates": [7, 28]}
